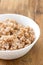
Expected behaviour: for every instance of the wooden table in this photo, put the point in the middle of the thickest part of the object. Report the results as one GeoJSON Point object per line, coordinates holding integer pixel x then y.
{"type": "Point", "coordinates": [34, 10]}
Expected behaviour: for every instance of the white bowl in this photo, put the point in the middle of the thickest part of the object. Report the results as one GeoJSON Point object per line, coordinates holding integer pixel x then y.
{"type": "Point", "coordinates": [8, 54]}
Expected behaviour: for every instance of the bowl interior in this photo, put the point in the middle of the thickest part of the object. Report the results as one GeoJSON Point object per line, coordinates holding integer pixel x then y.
{"type": "Point", "coordinates": [24, 21]}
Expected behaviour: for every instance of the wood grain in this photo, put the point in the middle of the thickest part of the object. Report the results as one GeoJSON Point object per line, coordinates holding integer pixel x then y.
{"type": "Point", "coordinates": [34, 10]}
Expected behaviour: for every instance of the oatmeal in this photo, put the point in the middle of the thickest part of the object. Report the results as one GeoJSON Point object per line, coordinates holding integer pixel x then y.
{"type": "Point", "coordinates": [15, 36]}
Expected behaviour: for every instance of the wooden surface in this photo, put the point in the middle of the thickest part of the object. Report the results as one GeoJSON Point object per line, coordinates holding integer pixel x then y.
{"type": "Point", "coordinates": [34, 10]}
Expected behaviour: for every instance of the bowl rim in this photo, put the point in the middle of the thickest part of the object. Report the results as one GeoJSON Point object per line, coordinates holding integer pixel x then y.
{"type": "Point", "coordinates": [32, 42]}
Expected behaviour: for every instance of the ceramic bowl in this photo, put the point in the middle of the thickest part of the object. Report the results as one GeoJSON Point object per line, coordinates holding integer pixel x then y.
{"type": "Point", "coordinates": [26, 21]}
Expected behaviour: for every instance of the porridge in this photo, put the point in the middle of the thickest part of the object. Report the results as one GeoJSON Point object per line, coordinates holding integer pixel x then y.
{"type": "Point", "coordinates": [15, 36]}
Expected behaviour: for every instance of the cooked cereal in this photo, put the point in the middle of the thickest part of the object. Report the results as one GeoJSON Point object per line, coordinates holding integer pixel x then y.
{"type": "Point", "coordinates": [15, 36]}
